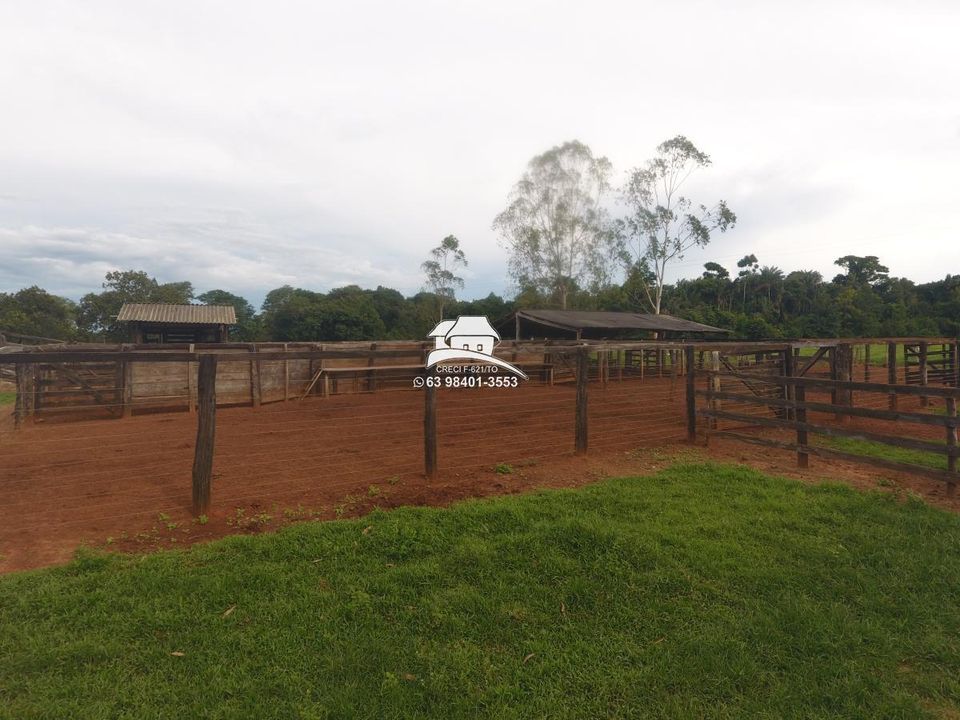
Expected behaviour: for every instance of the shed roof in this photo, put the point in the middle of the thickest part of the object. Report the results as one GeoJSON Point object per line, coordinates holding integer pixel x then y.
{"type": "Point", "coordinates": [590, 320]}
{"type": "Point", "coordinates": [178, 314]}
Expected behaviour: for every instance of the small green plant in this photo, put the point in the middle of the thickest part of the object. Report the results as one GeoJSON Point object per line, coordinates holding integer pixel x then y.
{"type": "Point", "coordinates": [163, 517]}
{"type": "Point", "coordinates": [393, 480]}
{"type": "Point", "coordinates": [253, 522]}
{"type": "Point", "coordinates": [503, 469]}
{"type": "Point", "coordinates": [295, 513]}
{"type": "Point", "coordinates": [202, 520]}
{"type": "Point", "coordinates": [374, 491]}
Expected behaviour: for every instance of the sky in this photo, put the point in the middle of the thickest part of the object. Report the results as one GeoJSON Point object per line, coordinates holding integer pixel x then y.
{"type": "Point", "coordinates": [248, 145]}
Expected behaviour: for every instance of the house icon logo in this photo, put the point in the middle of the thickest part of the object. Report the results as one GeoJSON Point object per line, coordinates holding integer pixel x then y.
{"type": "Point", "coordinates": [469, 338]}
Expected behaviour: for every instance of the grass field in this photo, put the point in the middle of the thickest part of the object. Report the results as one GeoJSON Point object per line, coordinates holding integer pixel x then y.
{"type": "Point", "coordinates": [8, 398]}
{"type": "Point", "coordinates": [703, 591]}
{"type": "Point", "coordinates": [887, 452]}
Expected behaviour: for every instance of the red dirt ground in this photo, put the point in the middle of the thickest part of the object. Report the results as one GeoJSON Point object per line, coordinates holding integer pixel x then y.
{"type": "Point", "coordinates": [125, 484]}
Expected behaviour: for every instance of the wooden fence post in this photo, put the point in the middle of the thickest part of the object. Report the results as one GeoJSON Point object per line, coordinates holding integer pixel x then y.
{"type": "Point", "coordinates": [580, 428]}
{"type": "Point", "coordinates": [371, 376]}
{"type": "Point", "coordinates": [789, 370]}
{"type": "Point", "coordinates": [255, 396]}
{"type": "Point", "coordinates": [892, 373]}
{"type": "Point", "coordinates": [866, 362]}
{"type": "Point", "coordinates": [191, 385]}
{"type": "Point", "coordinates": [286, 376]}
{"type": "Point", "coordinates": [20, 409]}
{"type": "Point", "coordinates": [803, 458]}
{"type": "Point", "coordinates": [924, 400]}
{"type": "Point", "coordinates": [206, 426]}
{"type": "Point", "coordinates": [955, 363]}
{"type": "Point", "coordinates": [834, 397]}
{"type": "Point", "coordinates": [843, 369]}
{"type": "Point", "coordinates": [37, 389]}
{"type": "Point", "coordinates": [951, 443]}
{"type": "Point", "coordinates": [714, 385]}
{"type": "Point", "coordinates": [430, 426]}
{"type": "Point", "coordinates": [691, 395]}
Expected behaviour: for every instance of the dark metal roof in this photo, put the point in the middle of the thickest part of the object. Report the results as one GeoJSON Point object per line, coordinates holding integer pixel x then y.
{"type": "Point", "coordinates": [178, 314]}
{"type": "Point", "coordinates": [574, 320]}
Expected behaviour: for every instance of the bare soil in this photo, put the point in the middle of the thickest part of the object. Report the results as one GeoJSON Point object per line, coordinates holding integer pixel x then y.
{"type": "Point", "coordinates": [125, 484]}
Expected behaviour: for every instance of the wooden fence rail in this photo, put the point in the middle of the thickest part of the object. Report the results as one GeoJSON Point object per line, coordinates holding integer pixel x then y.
{"type": "Point", "coordinates": [795, 419]}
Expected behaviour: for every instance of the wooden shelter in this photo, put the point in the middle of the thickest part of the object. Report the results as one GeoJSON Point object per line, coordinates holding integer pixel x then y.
{"type": "Point", "coordinates": [157, 323]}
{"type": "Point", "coordinates": [582, 324]}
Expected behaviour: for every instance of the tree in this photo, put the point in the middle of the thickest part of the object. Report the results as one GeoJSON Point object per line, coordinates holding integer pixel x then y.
{"type": "Point", "coordinates": [554, 227]}
{"type": "Point", "coordinates": [717, 279]}
{"type": "Point", "coordinates": [749, 266]}
{"type": "Point", "coordinates": [34, 311]}
{"type": "Point", "coordinates": [440, 268]}
{"type": "Point", "coordinates": [248, 327]}
{"type": "Point", "coordinates": [661, 224]}
{"type": "Point", "coordinates": [98, 311]}
{"type": "Point", "coordinates": [770, 279]}
{"type": "Point", "coordinates": [860, 270]}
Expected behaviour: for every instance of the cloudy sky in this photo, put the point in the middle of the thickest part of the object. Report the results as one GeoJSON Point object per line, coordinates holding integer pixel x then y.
{"type": "Point", "coordinates": [246, 145]}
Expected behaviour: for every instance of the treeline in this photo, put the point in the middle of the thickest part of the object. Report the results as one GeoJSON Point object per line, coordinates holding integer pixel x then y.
{"type": "Point", "coordinates": [754, 301]}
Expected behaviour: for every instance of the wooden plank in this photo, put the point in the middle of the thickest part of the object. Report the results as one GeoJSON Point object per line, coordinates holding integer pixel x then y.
{"type": "Point", "coordinates": [932, 390]}
{"type": "Point", "coordinates": [866, 363]}
{"type": "Point", "coordinates": [88, 388]}
{"type": "Point", "coordinates": [922, 418]}
{"type": "Point", "coordinates": [206, 430]}
{"type": "Point", "coordinates": [830, 454]}
{"type": "Point", "coordinates": [430, 426]}
{"type": "Point", "coordinates": [738, 374]}
{"type": "Point", "coordinates": [580, 425]}
{"type": "Point", "coordinates": [901, 442]}
{"type": "Point", "coordinates": [817, 356]}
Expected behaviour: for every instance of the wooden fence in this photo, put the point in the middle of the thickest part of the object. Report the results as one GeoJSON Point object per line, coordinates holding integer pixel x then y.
{"type": "Point", "coordinates": [789, 410]}
{"type": "Point", "coordinates": [768, 384]}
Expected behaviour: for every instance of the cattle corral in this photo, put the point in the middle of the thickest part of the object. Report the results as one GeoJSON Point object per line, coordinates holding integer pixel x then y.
{"type": "Point", "coordinates": [352, 431]}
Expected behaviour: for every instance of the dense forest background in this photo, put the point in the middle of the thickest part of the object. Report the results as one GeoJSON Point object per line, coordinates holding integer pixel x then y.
{"type": "Point", "coordinates": [754, 301]}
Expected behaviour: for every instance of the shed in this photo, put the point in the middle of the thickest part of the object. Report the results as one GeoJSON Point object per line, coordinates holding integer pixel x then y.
{"type": "Point", "coordinates": [167, 323]}
{"type": "Point", "coordinates": [582, 324]}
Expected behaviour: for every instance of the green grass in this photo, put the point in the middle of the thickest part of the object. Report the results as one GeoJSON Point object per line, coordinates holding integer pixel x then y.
{"type": "Point", "coordinates": [887, 452]}
{"type": "Point", "coordinates": [8, 398]}
{"type": "Point", "coordinates": [878, 354]}
{"type": "Point", "coordinates": [704, 591]}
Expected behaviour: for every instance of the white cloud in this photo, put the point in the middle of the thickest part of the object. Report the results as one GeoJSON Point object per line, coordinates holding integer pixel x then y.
{"type": "Point", "coordinates": [246, 145]}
